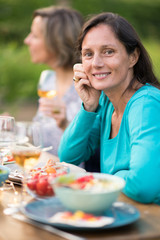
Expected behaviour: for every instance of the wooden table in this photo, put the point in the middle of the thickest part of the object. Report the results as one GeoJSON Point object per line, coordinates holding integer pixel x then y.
{"type": "Point", "coordinates": [147, 227]}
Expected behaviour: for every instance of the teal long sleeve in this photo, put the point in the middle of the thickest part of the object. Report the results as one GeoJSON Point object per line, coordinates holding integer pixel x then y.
{"type": "Point", "coordinates": [134, 154]}
{"type": "Point", "coordinates": [79, 139]}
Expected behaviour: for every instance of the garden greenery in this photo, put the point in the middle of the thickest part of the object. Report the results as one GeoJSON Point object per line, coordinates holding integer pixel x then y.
{"type": "Point", "coordinates": [19, 76]}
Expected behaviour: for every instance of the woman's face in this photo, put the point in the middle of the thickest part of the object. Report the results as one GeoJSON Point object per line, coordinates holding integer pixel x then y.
{"type": "Point", "coordinates": [36, 43]}
{"type": "Point", "coordinates": [105, 59]}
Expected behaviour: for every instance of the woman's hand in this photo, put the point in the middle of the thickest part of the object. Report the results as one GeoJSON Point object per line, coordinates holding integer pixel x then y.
{"type": "Point", "coordinates": [54, 108]}
{"type": "Point", "coordinates": [88, 95]}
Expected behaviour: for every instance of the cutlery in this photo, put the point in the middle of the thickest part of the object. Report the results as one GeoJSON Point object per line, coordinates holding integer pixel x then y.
{"type": "Point", "coordinates": [47, 149]}
{"type": "Point", "coordinates": [50, 229]}
{"type": "Point", "coordinates": [39, 147]}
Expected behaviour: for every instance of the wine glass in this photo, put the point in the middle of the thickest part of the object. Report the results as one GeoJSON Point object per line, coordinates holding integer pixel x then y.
{"type": "Point", "coordinates": [27, 149]}
{"type": "Point", "coordinates": [47, 89]}
{"type": "Point", "coordinates": [7, 136]}
{"type": "Point", "coordinates": [47, 84]}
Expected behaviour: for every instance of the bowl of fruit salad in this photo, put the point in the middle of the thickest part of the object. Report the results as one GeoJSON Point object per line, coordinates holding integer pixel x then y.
{"type": "Point", "coordinates": [38, 179]}
{"type": "Point", "coordinates": [88, 192]}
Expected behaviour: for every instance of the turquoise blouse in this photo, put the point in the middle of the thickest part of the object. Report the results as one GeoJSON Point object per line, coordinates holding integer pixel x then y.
{"type": "Point", "coordinates": [134, 154]}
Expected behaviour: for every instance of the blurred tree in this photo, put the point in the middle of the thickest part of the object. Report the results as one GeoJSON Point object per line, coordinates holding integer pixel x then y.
{"type": "Point", "coordinates": [16, 17]}
{"type": "Point", "coordinates": [144, 14]}
{"type": "Point", "coordinates": [19, 76]}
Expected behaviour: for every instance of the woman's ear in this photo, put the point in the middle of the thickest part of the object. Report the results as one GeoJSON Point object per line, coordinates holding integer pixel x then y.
{"type": "Point", "coordinates": [134, 57]}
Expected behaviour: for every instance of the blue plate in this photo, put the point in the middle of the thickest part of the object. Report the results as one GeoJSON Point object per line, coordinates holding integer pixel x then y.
{"type": "Point", "coordinates": [41, 211]}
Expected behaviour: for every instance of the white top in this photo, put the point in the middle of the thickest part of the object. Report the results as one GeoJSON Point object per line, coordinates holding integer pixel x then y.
{"type": "Point", "coordinates": [51, 133]}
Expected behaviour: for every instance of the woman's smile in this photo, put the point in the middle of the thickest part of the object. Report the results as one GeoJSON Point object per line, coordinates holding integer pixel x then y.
{"type": "Point", "coordinates": [100, 76]}
{"type": "Point", "coordinates": [105, 60]}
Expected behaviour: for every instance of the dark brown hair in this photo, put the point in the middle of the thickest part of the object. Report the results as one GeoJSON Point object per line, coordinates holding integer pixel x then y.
{"type": "Point", "coordinates": [127, 35]}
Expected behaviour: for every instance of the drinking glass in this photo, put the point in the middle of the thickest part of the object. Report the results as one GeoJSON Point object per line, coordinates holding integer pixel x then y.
{"type": "Point", "coordinates": [28, 147]}
{"type": "Point", "coordinates": [7, 136]}
{"type": "Point", "coordinates": [47, 88]}
{"type": "Point", "coordinates": [47, 84]}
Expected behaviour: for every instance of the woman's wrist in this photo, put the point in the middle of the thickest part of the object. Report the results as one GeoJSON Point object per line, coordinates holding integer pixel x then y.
{"type": "Point", "coordinates": [90, 108]}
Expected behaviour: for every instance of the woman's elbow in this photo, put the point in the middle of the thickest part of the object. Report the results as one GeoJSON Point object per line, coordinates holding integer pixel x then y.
{"type": "Point", "coordinates": [143, 192]}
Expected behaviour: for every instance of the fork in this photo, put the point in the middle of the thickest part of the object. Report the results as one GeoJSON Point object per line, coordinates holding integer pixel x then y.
{"type": "Point", "coordinates": [50, 229]}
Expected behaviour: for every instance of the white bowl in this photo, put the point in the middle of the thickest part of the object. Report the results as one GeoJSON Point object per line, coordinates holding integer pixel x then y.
{"type": "Point", "coordinates": [91, 201]}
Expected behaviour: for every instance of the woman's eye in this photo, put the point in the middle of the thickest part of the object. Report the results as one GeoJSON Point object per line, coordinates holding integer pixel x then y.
{"type": "Point", "coordinates": [108, 51]}
{"type": "Point", "coordinates": [87, 54]}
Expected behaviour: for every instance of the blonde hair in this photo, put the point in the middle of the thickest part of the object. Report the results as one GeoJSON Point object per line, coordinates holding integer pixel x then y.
{"type": "Point", "coordinates": [61, 29]}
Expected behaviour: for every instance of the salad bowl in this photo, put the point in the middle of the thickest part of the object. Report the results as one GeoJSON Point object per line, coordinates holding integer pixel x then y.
{"type": "Point", "coordinates": [89, 192]}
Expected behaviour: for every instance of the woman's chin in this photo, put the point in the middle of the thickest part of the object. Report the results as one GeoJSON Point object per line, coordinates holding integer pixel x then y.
{"type": "Point", "coordinates": [98, 87]}
{"type": "Point", "coordinates": [36, 61]}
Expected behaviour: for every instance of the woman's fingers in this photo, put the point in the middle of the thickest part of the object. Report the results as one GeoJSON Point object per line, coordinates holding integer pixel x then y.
{"type": "Point", "coordinates": [79, 72]}
{"type": "Point", "coordinates": [51, 105]}
{"type": "Point", "coordinates": [79, 75]}
{"type": "Point", "coordinates": [88, 95]}
{"type": "Point", "coordinates": [82, 81]}
{"type": "Point", "coordinates": [78, 67]}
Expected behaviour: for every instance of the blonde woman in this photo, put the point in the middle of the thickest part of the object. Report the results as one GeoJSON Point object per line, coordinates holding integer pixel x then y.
{"type": "Point", "coordinates": [52, 41]}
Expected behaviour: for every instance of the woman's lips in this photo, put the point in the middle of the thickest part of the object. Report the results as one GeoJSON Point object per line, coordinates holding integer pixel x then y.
{"type": "Point", "coordinates": [101, 75]}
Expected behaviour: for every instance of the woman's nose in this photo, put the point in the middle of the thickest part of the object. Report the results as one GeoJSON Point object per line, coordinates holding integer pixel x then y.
{"type": "Point", "coordinates": [27, 40]}
{"type": "Point", "coordinates": [97, 61]}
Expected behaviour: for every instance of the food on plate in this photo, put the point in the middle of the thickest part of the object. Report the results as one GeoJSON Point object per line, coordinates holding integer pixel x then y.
{"type": "Point", "coordinates": [80, 218]}
{"type": "Point", "coordinates": [89, 192]}
{"type": "Point", "coordinates": [39, 185]}
{"type": "Point", "coordinates": [8, 159]}
{"type": "Point", "coordinates": [87, 183]}
{"type": "Point", "coordinates": [80, 215]}
{"type": "Point", "coordinates": [38, 181]}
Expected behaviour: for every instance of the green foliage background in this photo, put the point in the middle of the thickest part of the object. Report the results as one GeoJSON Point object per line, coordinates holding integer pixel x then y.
{"type": "Point", "coordinates": [19, 77]}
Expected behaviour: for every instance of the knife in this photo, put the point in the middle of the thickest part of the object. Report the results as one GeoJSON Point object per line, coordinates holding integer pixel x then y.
{"type": "Point", "coordinates": [50, 229]}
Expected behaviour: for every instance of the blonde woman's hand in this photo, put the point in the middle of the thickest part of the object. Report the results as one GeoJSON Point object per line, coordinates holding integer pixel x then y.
{"type": "Point", "coordinates": [54, 108]}
{"type": "Point", "coordinates": [88, 95]}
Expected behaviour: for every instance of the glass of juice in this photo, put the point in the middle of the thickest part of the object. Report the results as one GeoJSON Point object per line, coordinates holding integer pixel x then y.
{"type": "Point", "coordinates": [28, 147]}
